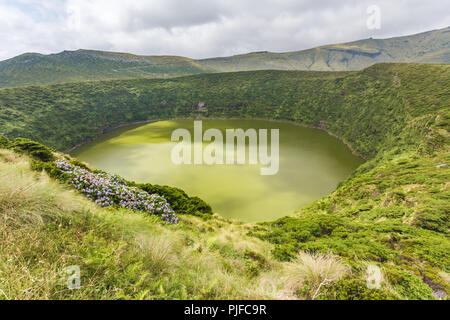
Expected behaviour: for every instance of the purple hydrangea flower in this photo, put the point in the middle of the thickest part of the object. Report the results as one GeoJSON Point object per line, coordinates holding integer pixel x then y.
{"type": "Point", "coordinates": [107, 190]}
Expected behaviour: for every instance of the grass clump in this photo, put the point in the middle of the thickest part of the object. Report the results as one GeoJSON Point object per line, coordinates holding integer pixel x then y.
{"type": "Point", "coordinates": [310, 271]}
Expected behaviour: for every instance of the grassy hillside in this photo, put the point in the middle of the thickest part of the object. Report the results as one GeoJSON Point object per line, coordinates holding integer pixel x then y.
{"type": "Point", "coordinates": [393, 212]}
{"type": "Point", "coordinates": [45, 228]}
{"type": "Point", "coordinates": [427, 47]}
{"type": "Point", "coordinates": [123, 254]}
{"type": "Point", "coordinates": [80, 65]}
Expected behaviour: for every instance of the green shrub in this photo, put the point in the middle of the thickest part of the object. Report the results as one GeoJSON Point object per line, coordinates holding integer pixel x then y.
{"type": "Point", "coordinates": [352, 289]}
{"type": "Point", "coordinates": [4, 142]}
{"type": "Point", "coordinates": [51, 169]}
{"type": "Point", "coordinates": [257, 258]}
{"type": "Point", "coordinates": [197, 206]}
{"type": "Point", "coordinates": [33, 148]}
{"type": "Point", "coordinates": [285, 252]}
{"type": "Point", "coordinates": [251, 269]}
{"type": "Point", "coordinates": [179, 200]}
{"type": "Point", "coordinates": [408, 285]}
{"type": "Point", "coordinates": [436, 218]}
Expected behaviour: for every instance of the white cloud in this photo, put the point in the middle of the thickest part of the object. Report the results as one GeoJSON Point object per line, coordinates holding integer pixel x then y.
{"type": "Point", "coordinates": [203, 28]}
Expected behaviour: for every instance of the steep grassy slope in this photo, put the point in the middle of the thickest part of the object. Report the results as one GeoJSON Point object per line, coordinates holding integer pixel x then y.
{"type": "Point", "coordinates": [393, 211]}
{"type": "Point", "coordinates": [45, 228]}
{"type": "Point", "coordinates": [70, 66]}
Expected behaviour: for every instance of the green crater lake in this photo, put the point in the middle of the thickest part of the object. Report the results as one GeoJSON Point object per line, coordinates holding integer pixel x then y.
{"type": "Point", "coordinates": [311, 164]}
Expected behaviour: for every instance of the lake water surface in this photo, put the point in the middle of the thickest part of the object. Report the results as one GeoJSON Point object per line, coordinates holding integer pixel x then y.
{"type": "Point", "coordinates": [311, 165]}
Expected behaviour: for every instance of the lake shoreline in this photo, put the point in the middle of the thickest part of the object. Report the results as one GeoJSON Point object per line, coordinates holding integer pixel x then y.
{"type": "Point", "coordinates": [112, 128]}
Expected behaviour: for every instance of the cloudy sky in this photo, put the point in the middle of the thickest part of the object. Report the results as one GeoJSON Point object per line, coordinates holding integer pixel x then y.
{"type": "Point", "coordinates": [205, 28]}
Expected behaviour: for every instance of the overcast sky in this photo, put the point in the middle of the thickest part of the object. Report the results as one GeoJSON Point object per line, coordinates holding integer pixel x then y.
{"type": "Point", "coordinates": [205, 28]}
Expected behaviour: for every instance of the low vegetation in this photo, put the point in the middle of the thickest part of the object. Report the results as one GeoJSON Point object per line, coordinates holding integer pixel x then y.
{"type": "Point", "coordinates": [47, 227]}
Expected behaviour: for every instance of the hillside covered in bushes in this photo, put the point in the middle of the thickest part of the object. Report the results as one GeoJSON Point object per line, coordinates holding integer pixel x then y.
{"type": "Point", "coordinates": [369, 109]}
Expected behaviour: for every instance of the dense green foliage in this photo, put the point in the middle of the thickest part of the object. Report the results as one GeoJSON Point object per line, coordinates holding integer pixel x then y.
{"type": "Point", "coordinates": [4, 142]}
{"type": "Point", "coordinates": [353, 289]}
{"type": "Point", "coordinates": [32, 148]}
{"type": "Point", "coordinates": [82, 65]}
{"type": "Point", "coordinates": [368, 109]}
{"type": "Point", "coordinates": [178, 199]}
{"type": "Point", "coordinates": [409, 285]}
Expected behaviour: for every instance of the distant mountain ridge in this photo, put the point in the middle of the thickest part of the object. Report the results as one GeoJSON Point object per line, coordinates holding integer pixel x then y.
{"type": "Point", "coordinates": [80, 65]}
{"type": "Point", "coordinates": [427, 47]}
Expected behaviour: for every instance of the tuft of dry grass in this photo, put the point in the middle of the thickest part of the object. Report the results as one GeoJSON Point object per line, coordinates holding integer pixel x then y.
{"type": "Point", "coordinates": [313, 270]}
{"type": "Point", "coordinates": [157, 251]}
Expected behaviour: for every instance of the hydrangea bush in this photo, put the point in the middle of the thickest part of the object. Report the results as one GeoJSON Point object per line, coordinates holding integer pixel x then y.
{"type": "Point", "coordinates": [107, 190]}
